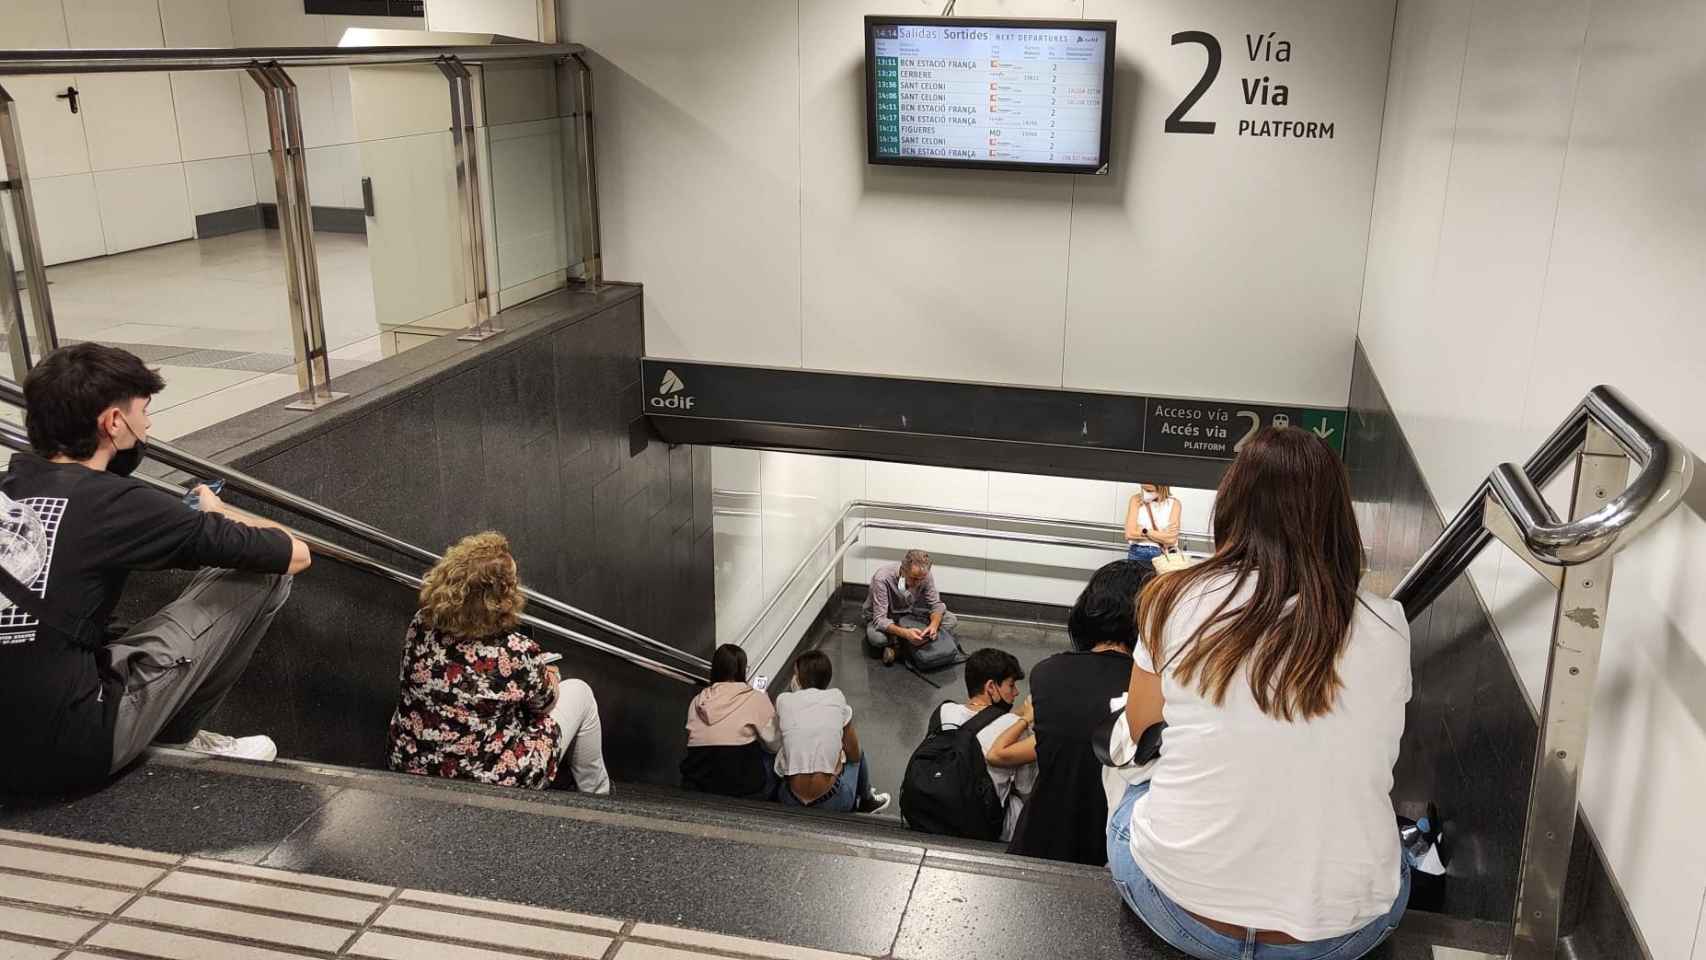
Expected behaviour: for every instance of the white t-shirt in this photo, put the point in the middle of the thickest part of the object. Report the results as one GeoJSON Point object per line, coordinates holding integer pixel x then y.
{"type": "Point", "coordinates": [1261, 823]}
{"type": "Point", "coordinates": [1012, 784]}
{"type": "Point", "coordinates": [810, 722]}
{"type": "Point", "coordinates": [1162, 513]}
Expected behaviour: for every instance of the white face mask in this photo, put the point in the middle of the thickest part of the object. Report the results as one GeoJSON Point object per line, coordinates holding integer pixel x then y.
{"type": "Point", "coordinates": [1149, 496]}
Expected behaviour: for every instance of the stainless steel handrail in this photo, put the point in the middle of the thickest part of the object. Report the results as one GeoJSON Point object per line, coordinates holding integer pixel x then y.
{"type": "Point", "coordinates": [25, 62]}
{"type": "Point", "coordinates": [1196, 538]}
{"type": "Point", "coordinates": [241, 482]}
{"type": "Point", "coordinates": [853, 535]}
{"type": "Point", "coordinates": [11, 436]}
{"type": "Point", "coordinates": [1195, 541]}
{"type": "Point", "coordinates": [1666, 471]}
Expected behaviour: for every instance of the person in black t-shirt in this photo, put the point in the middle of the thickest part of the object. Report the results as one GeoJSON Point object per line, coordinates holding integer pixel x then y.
{"type": "Point", "coordinates": [78, 704]}
{"type": "Point", "coordinates": [1066, 817]}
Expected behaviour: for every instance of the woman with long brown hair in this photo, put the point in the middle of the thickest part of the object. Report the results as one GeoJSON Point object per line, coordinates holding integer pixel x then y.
{"type": "Point", "coordinates": [479, 700]}
{"type": "Point", "coordinates": [1267, 820]}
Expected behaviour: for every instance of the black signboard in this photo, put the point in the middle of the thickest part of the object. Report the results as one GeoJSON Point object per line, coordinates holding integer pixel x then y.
{"type": "Point", "coordinates": [1216, 429]}
{"type": "Point", "coordinates": [1202, 429]}
{"type": "Point", "coordinates": [366, 8]}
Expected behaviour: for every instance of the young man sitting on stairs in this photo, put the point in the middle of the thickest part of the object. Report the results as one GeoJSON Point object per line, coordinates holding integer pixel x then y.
{"type": "Point", "coordinates": [78, 704]}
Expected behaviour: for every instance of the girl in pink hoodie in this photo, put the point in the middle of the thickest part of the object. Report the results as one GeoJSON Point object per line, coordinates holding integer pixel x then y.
{"type": "Point", "coordinates": [731, 733]}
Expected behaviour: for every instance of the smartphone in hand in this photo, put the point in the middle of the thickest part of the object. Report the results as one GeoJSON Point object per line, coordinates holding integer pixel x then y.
{"type": "Point", "coordinates": [193, 499]}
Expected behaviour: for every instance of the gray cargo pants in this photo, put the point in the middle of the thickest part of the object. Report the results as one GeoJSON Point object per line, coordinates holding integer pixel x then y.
{"type": "Point", "coordinates": [179, 663]}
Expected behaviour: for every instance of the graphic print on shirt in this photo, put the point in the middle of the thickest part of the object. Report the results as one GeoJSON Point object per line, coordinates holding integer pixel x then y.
{"type": "Point", "coordinates": [17, 626]}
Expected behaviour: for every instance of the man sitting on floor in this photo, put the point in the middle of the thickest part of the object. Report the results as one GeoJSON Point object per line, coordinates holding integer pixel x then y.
{"type": "Point", "coordinates": [903, 607]}
{"type": "Point", "coordinates": [78, 704]}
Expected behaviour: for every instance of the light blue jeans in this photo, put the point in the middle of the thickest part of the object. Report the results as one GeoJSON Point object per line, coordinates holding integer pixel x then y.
{"type": "Point", "coordinates": [851, 785]}
{"type": "Point", "coordinates": [1174, 925]}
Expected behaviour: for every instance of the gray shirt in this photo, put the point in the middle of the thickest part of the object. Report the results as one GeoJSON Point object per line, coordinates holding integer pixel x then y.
{"type": "Point", "coordinates": [810, 722]}
{"type": "Point", "coordinates": [889, 598]}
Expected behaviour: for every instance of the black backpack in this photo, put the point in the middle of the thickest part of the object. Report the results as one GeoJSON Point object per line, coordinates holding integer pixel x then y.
{"type": "Point", "coordinates": [947, 789]}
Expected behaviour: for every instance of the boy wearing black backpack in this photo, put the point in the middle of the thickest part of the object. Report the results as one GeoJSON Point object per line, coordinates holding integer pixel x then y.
{"type": "Point", "coordinates": [952, 785]}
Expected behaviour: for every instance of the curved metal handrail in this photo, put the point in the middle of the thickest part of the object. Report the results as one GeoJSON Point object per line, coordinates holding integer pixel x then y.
{"type": "Point", "coordinates": [241, 482]}
{"type": "Point", "coordinates": [25, 62]}
{"type": "Point", "coordinates": [1666, 469]}
{"type": "Point", "coordinates": [11, 436]}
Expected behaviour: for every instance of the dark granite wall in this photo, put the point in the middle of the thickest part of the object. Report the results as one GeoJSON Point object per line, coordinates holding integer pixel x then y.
{"type": "Point", "coordinates": [1469, 734]}
{"type": "Point", "coordinates": [538, 434]}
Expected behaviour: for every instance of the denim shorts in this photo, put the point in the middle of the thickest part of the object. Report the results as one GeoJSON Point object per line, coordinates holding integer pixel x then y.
{"type": "Point", "coordinates": [1174, 925]}
{"type": "Point", "coordinates": [1143, 552]}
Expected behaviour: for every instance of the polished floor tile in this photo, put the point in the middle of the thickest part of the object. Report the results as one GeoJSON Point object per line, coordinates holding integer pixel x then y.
{"type": "Point", "coordinates": [184, 384]}
{"type": "Point", "coordinates": [219, 405]}
{"type": "Point", "coordinates": [218, 303]}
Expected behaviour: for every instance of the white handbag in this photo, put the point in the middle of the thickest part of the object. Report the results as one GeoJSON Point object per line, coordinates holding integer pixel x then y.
{"type": "Point", "coordinates": [1172, 559]}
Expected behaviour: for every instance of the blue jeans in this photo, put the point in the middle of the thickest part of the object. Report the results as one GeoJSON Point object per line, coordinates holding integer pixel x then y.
{"type": "Point", "coordinates": [1142, 552]}
{"type": "Point", "coordinates": [1174, 925]}
{"type": "Point", "coordinates": [851, 785]}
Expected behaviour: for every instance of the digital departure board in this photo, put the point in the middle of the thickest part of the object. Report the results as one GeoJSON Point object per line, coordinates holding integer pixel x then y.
{"type": "Point", "coordinates": [990, 94]}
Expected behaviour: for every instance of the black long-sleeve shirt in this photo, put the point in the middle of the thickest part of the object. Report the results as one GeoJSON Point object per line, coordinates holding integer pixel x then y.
{"type": "Point", "coordinates": [59, 695]}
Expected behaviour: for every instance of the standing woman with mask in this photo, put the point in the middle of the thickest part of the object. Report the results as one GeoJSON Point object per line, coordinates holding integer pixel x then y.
{"type": "Point", "coordinates": [1151, 522]}
{"type": "Point", "coordinates": [1266, 828]}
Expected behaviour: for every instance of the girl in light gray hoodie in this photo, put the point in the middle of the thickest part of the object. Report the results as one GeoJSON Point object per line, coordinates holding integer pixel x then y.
{"type": "Point", "coordinates": [731, 733]}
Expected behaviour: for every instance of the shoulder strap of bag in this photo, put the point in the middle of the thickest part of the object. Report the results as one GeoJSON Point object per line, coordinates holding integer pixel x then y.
{"type": "Point", "coordinates": [984, 718]}
{"type": "Point", "coordinates": [936, 719]}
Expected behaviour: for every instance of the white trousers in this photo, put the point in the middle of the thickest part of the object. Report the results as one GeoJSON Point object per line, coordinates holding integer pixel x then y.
{"type": "Point", "coordinates": [582, 737]}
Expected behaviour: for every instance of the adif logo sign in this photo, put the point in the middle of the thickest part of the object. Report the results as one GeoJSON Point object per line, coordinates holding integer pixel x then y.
{"type": "Point", "coordinates": [670, 391]}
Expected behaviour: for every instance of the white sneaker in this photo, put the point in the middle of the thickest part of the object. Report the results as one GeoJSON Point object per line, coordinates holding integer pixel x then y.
{"type": "Point", "coordinates": [220, 745]}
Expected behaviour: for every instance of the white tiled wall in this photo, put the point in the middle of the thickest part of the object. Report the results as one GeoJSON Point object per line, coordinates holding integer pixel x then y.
{"type": "Point", "coordinates": [1540, 221]}
{"type": "Point", "coordinates": [143, 206]}
{"type": "Point", "coordinates": [202, 127]}
{"type": "Point", "coordinates": [512, 18]}
{"type": "Point", "coordinates": [735, 128]}
{"type": "Point", "coordinates": [224, 183]}
{"type": "Point", "coordinates": [73, 231]}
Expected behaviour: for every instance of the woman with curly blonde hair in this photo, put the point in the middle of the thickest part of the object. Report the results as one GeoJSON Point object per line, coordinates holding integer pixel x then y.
{"type": "Point", "coordinates": [479, 700]}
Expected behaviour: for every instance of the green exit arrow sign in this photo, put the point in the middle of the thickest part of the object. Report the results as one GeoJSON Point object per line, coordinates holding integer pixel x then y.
{"type": "Point", "coordinates": [1329, 425]}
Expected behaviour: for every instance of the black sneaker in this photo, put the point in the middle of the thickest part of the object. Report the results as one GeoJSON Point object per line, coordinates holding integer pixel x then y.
{"type": "Point", "coordinates": [875, 803]}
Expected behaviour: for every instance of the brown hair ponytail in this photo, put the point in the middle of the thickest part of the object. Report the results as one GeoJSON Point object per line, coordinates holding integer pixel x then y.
{"type": "Point", "coordinates": [1283, 516]}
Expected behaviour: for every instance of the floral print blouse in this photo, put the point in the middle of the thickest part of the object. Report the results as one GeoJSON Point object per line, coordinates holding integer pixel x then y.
{"type": "Point", "coordinates": [474, 709]}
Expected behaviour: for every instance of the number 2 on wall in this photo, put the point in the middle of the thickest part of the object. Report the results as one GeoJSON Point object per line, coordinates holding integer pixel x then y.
{"type": "Point", "coordinates": [1176, 122]}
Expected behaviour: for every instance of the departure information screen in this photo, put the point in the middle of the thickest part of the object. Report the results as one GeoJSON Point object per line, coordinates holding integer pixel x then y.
{"type": "Point", "coordinates": [963, 92]}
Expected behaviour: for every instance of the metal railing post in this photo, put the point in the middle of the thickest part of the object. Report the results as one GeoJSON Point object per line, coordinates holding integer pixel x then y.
{"type": "Point", "coordinates": [465, 144]}
{"type": "Point", "coordinates": [12, 310]}
{"type": "Point", "coordinates": [586, 185]}
{"type": "Point", "coordinates": [295, 224]}
{"type": "Point", "coordinates": [17, 183]}
{"type": "Point", "coordinates": [314, 363]}
{"type": "Point", "coordinates": [1578, 631]}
